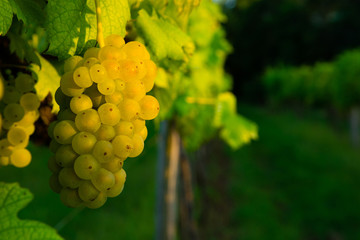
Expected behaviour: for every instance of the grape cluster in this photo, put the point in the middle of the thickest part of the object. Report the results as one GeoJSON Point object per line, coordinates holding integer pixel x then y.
{"type": "Point", "coordinates": [101, 122]}
{"type": "Point", "coordinates": [19, 108]}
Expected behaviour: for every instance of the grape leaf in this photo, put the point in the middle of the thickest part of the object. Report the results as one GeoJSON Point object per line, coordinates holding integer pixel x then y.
{"type": "Point", "coordinates": [12, 199]}
{"type": "Point", "coordinates": [224, 107]}
{"type": "Point", "coordinates": [6, 16]}
{"type": "Point", "coordinates": [71, 25]}
{"type": "Point", "coordinates": [29, 11]}
{"type": "Point", "coordinates": [48, 80]}
{"type": "Point", "coordinates": [22, 48]}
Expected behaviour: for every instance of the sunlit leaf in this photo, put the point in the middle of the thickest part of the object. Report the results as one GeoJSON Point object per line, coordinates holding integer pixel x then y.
{"type": "Point", "coordinates": [6, 15]}
{"type": "Point", "coordinates": [29, 11]}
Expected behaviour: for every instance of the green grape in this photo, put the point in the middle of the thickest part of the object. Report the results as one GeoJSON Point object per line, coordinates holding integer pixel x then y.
{"type": "Point", "coordinates": [87, 191]}
{"type": "Point", "coordinates": [14, 112]}
{"type": "Point", "coordinates": [114, 40]}
{"type": "Point", "coordinates": [135, 90]}
{"type": "Point", "coordinates": [61, 98]}
{"type": "Point", "coordinates": [83, 142]}
{"type": "Point", "coordinates": [90, 62]}
{"type": "Point", "coordinates": [98, 73]}
{"type": "Point", "coordinates": [124, 128]}
{"type": "Point", "coordinates": [139, 124]}
{"type": "Point", "coordinates": [131, 69]}
{"type": "Point", "coordinates": [53, 166]}
{"type": "Point", "coordinates": [66, 114]}
{"type": "Point", "coordinates": [114, 165]}
{"type": "Point", "coordinates": [103, 151]}
{"type": "Point", "coordinates": [107, 87]}
{"type": "Point", "coordinates": [149, 107]}
{"type": "Point", "coordinates": [30, 102]}
{"type": "Point", "coordinates": [65, 156]}
{"type": "Point", "coordinates": [85, 166]}
{"type": "Point", "coordinates": [82, 77]}
{"type": "Point", "coordinates": [50, 129]}
{"type": "Point", "coordinates": [130, 109]}
{"type": "Point", "coordinates": [29, 129]}
{"type": "Point", "coordinates": [11, 95]}
{"type": "Point", "coordinates": [29, 118]}
{"type": "Point", "coordinates": [120, 178]}
{"type": "Point", "coordinates": [64, 131]}
{"type": "Point", "coordinates": [68, 85]}
{"type": "Point", "coordinates": [68, 178]}
{"type": "Point", "coordinates": [151, 72]}
{"type": "Point", "coordinates": [6, 148]}
{"type": "Point", "coordinates": [96, 97]}
{"type": "Point", "coordinates": [71, 63]}
{"type": "Point", "coordinates": [143, 133]}
{"type": "Point", "coordinates": [54, 146]}
{"type": "Point", "coordinates": [109, 114]}
{"type": "Point", "coordinates": [17, 136]}
{"type": "Point", "coordinates": [4, 160]}
{"type": "Point", "coordinates": [98, 202]}
{"type": "Point", "coordinates": [103, 179]}
{"type": "Point", "coordinates": [91, 53]}
{"type": "Point", "coordinates": [136, 50]}
{"type": "Point", "coordinates": [54, 183]}
{"type": "Point", "coordinates": [113, 68]}
{"type": "Point", "coordinates": [123, 146]}
{"type": "Point", "coordinates": [7, 124]}
{"type": "Point", "coordinates": [20, 157]}
{"type": "Point", "coordinates": [105, 132]}
{"type": "Point", "coordinates": [114, 98]}
{"type": "Point", "coordinates": [88, 121]}
{"type": "Point", "coordinates": [138, 144]}
{"type": "Point", "coordinates": [120, 85]}
{"type": "Point", "coordinates": [80, 103]}
{"type": "Point", "coordinates": [24, 83]}
{"type": "Point", "coordinates": [70, 197]}
{"type": "Point", "coordinates": [111, 53]}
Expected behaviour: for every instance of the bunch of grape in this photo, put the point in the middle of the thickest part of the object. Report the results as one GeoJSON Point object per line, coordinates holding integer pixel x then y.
{"type": "Point", "coordinates": [19, 108]}
{"type": "Point", "coordinates": [101, 122]}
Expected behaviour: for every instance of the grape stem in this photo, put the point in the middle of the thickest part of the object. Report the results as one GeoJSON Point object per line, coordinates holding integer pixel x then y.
{"type": "Point", "coordinates": [200, 100]}
{"type": "Point", "coordinates": [100, 36]}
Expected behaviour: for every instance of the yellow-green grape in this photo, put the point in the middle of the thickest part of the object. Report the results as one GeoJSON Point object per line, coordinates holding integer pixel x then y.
{"type": "Point", "coordinates": [98, 73]}
{"type": "Point", "coordinates": [11, 95]}
{"type": "Point", "coordinates": [151, 72]}
{"type": "Point", "coordinates": [90, 61]}
{"type": "Point", "coordinates": [30, 102]}
{"type": "Point", "coordinates": [66, 114]}
{"type": "Point", "coordinates": [61, 98]}
{"type": "Point", "coordinates": [136, 50]}
{"type": "Point", "coordinates": [131, 69]}
{"type": "Point", "coordinates": [96, 97]}
{"type": "Point", "coordinates": [64, 131]}
{"type": "Point", "coordinates": [83, 142]}
{"type": "Point", "coordinates": [80, 103]}
{"type": "Point", "coordinates": [65, 156]}
{"type": "Point", "coordinates": [109, 114]}
{"type": "Point", "coordinates": [105, 132]}
{"type": "Point", "coordinates": [139, 124]}
{"type": "Point", "coordinates": [85, 166]}
{"type": "Point", "coordinates": [53, 166]}
{"type": "Point", "coordinates": [82, 77]}
{"type": "Point", "coordinates": [114, 98]}
{"type": "Point", "coordinates": [98, 202]}
{"type": "Point", "coordinates": [29, 118]}
{"type": "Point", "coordinates": [123, 146]}
{"type": "Point", "coordinates": [54, 146]}
{"type": "Point", "coordinates": [29, 129]}
{"type": "Point", "coordinates": [124, 128]}
{"type": "Point", "coordinates": [143, 133]}
{"type": "Point", "coordinates": [149, 107]}
{"type": "Point", "coordinates": [70, 197]}
{"type": "Point", "coordinates": [54, 183]}
{"type": "Point", "coordinates": [68, 178]}
{"type": "Point", "coordinates": [120, 178]}
{"type": "Point", "coordinates": [114, 40]}
{"type": "Point", "coordinates": [71, 63]}
{"type": "Point", "coordinates": [130, 109]}
{"type": "Point", "coordinates": [7, 124]}
{"type": "Point", "coordinates": [138, 144]}
{"type": "Point", "coordinates": [120, 84]}
{"type": "Point", "coordinates": [103, 179]}
{"type": "Point", "coordinates": [92, 53]}
{"type": "Point", "coordinates": [111, 53]}
{"type": "Point", "coordinates": [107, 87]}
{"type": "Point", "coordinates": [103, 151]}
{"type": "Point", "coordinates": [113, 68]}
{"type": "Point", "coordinates": [87, 191]}
{"type": "Point", "coordinates": [24, 83]}
{"type": "Point", "coordinates": [114, 165]}
{"type": "Point", "coordinates": [6, 148]}
{"type": "Point", "coordinates": [135, 90]}
{"type": "Point", "coordinates": [4, 160]}
{"type": "Point", "coordinates": [14, 112]}
{"type": "Point", "coordinates": [17, 136]}
{"type": "Point", "coordinates": [20, 157]}
{"type": "Point", "coordinates": [68, 85]}
{"type": "Point", "coordinates": [88, 121]}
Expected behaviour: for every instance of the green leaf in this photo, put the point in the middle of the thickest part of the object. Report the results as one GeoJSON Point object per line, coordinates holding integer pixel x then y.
{"type": "Point", "coordinates": [48, 80]}
{"type": "Point", "coordinates": [22, 49]}
{"type": "Point", "coordinates": [6, 15]}
{"type": "Point", "coordinates": [225, 107]}
{"type": "Point", "coordinates": [29, 11]}
{"type": "Point", "coordinates": [72, 25]}
{"type": "Point", "coordinates": [12, 199]}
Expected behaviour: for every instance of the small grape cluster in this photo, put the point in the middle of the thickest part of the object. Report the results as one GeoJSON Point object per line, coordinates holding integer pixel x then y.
{"type": "Point", "coordinates": [101, 122]}
{"type": "Point", "coordinates": [19, 108]}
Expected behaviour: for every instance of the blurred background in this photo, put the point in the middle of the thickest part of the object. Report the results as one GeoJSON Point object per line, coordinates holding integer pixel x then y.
{"type": "Point", "coordinates": [296, 73]}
